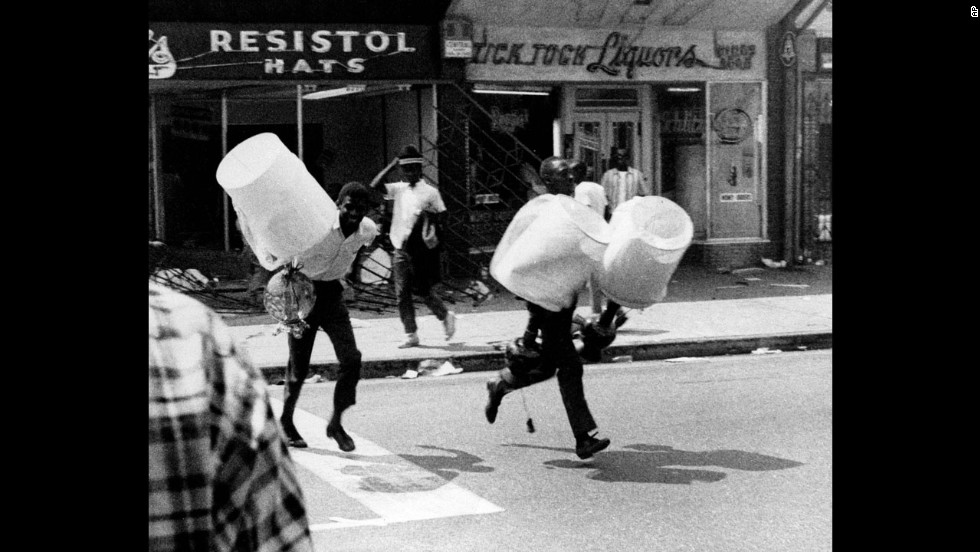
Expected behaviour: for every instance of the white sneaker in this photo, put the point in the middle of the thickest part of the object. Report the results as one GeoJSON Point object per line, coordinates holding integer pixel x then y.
{"type": "Point", "coordinates": [446, 369]}
{"type": "Point", "coordinates": [411, 340]}
{"type": "Point", "coordinates": [450, 325]}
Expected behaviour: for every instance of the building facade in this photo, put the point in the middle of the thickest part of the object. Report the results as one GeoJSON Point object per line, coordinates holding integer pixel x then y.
{"type": "Point", "coordinates": [345, 98]}
{"type": "Point", "coordinates": [801, 73]}
{"type": "Point", "coordinates": [690, 106]}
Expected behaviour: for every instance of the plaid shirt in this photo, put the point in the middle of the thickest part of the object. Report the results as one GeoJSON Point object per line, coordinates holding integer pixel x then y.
{"type": "Point", "coordinates": [220, 476]}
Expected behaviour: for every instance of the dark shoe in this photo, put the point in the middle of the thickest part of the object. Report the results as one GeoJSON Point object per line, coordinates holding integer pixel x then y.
{"type": "Point", "coordinates": [338, 434]}
{"type": "Point", "coordinates": [528, 347]}
{"type": "Point", "coordinates": [496, 389]}
{"type": "Point", "coordinates": [621, 317]}
{"type": "Point", "coordinates": [589, 445]}
{"type": "Point", "coordinates": [293, 437]}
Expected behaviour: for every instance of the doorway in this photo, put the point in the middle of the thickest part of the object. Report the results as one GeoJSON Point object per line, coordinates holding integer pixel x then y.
{"type": "Point", "coordinates": [599, 133]}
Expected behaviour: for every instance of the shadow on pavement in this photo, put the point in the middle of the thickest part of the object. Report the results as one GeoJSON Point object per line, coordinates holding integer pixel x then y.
{"type": "Point", "coordinates": [385, 474]}
{"type": "Point", "coordinates": [658, 464]}
{"type": "Point", "coordinates": [447, 467]}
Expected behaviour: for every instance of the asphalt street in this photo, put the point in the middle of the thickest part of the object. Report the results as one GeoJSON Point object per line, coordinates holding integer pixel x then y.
{"type": "Point", "coordinates": [714, 454]}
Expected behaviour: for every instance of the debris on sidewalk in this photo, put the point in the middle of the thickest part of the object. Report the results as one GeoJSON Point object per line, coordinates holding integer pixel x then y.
{"type": "Point", "coordinates": [317, 378]}
{"type": "Point", "coordinates": [773, 264]}
{"type": "Point", "coordinates": [183, 279]}
{"type": "Point", "coordinates": [766, 351]}
{"type": "Point", "coordinates": [499, 345]}
{"type": "Point", "coordinates": [445, 369]}
{"type": "Point", "coordinates": [433, 368]}
{"type": "Point", "coordinates": [479, 292]}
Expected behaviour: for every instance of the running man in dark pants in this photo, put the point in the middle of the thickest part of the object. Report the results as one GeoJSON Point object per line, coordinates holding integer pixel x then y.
{"type": "Point", "coordinates": [327, 268]}
{"type": "Point", "coordinates": [558, 352]}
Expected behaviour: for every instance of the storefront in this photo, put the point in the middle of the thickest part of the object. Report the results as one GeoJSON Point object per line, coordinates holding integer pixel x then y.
{"type": "Point", "coordinates": [688, 105]}
{"type": "Point", "coordinates": [344, 98]}
{"type": "Point", "coordinates": [802, 98]}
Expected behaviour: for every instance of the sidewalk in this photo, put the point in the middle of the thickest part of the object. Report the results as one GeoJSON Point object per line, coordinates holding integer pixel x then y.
{"type": "Point", "coordinates": [703, 323]}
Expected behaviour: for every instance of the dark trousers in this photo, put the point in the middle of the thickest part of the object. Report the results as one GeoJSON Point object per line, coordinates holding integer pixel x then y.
{"type": "Point", "coordinates": [558, 355]}
{"type": "Point", "coordinates": [408, 282]}
{"type": "Point", "coordinates": [330, 313]}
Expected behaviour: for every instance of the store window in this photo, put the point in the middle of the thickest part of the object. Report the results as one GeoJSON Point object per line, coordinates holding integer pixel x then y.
{"type": "Point", "coordinates": [188, 152]}
{"type": "Point", "coordinates": [682, 150]}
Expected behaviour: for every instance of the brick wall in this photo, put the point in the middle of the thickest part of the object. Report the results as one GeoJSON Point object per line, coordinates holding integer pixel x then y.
{"type": "Point", "coordinates": [729, 255]}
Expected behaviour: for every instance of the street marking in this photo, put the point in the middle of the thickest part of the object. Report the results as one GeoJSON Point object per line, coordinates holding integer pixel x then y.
{"type": "Point", "coordinates": [390, 486]}
{"type": "Point", "coordinates": [343, 523]}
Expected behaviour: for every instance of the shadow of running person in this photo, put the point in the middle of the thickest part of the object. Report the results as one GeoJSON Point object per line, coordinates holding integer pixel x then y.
{"type": "Point", "coordinates": [664, 464]}
{"type": "Point", "coordinates": [389, 474]}
{"type": "Point", "coordinates": [447, 467]}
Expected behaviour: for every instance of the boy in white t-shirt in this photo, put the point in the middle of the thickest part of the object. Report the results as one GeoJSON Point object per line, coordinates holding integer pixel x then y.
{"type": "Point", "coordinates": [418, 208]}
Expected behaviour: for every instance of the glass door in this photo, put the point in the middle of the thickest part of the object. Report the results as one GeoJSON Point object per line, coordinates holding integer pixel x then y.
{"type": "Point", "coordinates": [599, 134]}
{"type": "Point", "coordinates": [736, 188]}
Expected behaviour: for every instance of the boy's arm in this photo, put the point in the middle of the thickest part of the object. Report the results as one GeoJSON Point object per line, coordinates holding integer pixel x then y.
{"type": "Point", "coordinates": [381, 175]}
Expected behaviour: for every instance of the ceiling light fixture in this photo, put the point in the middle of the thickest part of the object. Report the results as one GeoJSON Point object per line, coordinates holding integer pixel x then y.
{"type": "Point", "coordinates": [683, 89]}
{"type": "Point", "coordinates": [517, 90]}
{"type": "Point", "coordinates": [356, 89]}
{"type": "Point", "coordinates": [334, 92]}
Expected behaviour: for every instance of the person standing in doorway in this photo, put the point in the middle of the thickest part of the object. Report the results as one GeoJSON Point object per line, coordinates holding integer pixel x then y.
{"type": "Point", "coordinates": [416, 219]}
{"type": "Point", "coordinates": [623, 182]}
{"type": "Point", "coordinates": [558, 353]}
{"type": "Point", "coordinates": [326, 267]}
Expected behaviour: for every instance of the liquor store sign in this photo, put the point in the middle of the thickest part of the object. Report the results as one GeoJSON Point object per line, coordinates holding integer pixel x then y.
{"type": "Point", "coordinates": [202, 51]}
{"type": "Point", "coordinates": [613, 55]}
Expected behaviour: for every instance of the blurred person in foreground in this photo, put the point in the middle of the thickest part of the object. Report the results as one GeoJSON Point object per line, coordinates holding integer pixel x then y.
{"type": "Point", "coordinates": [220, 474]}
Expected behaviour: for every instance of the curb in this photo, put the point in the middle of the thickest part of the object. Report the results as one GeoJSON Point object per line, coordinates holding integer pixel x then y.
{"type": "Point", "coordinates": [485, 362]}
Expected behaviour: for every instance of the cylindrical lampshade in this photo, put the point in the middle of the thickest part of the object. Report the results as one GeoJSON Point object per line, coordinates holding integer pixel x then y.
{"type": "Point", "coordinates": [648, 237]}
{"type": "Point", "coordinates": [549, 250]}
{"type": "Point", "coordinates": [281, 208]}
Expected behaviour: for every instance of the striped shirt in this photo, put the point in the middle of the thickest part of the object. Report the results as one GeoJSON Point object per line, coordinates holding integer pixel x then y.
{"type": "Point", "coordinates": [220, 476]}
{"type": "Point", "coordinates": [622, 186]}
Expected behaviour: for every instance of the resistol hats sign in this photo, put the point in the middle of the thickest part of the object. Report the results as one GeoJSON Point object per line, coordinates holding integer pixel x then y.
{"type": "Point", "coordinates": [189, 51]}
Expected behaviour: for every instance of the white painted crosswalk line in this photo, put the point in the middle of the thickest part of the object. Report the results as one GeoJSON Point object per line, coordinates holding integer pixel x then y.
{"type": "Point", "coordinates": [390, 486]}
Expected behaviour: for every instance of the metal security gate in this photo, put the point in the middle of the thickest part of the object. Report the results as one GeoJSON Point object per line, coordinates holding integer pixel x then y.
{"type": "Point", "coordinates": [485, 175]}
{"type": "Point", "coordinates": [817, 174]}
